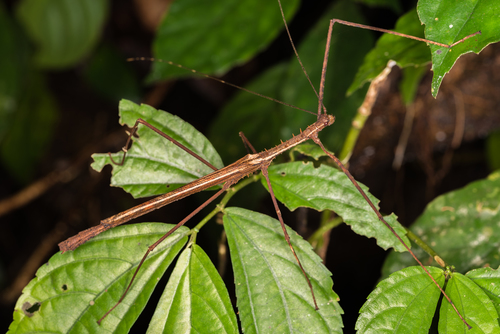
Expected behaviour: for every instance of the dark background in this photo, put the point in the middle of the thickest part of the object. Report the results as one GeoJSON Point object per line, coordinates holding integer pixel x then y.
{"type": "Point", "coordinates": [74, 197]}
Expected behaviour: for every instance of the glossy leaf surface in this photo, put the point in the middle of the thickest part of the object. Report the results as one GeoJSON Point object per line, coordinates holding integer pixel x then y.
{"type": "Point", "coordinates": [461, 226]}
{"type": "Point", "coordinates": [404, 302]}
{"type": "Point", "coordinates": [272, 291]}
{"type": "Point", "coordinates": [300, 184]}
{"type": "Point", "coordinates": [450, 21]}
{"type": "Point", "coordinates": [195, 299]}
{"type": "Point", "coordinates": [472, 303]}
{"type": "Point", "coordinates": [407, 300]}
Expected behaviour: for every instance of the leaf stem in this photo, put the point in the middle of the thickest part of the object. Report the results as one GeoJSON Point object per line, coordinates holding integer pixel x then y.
{"type": "Point", "coordinates": [326, 224]}
{"type": "Point", "coordinates": [230, 193]}
{"type": "Point", "coordinates": [413, 237]}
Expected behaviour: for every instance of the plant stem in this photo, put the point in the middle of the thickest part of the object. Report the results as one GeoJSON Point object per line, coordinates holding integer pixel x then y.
{"type": "Point", "coordinates": [230, 193]}
{"type": "Point", "coordinates": [357, 125]}
{"type": "Point", "coordinates": [413, 237]}
{"type": "Point", "coordinates": [364, 111]}
{"type": "Point", "coordinates": [326, 224]}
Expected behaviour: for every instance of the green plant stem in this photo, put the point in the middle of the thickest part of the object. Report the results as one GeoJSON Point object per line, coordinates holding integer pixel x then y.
{"type": "Point", "coordinates": [230, 193]}
{"type": "Point", "coordinates": [326, 224]}
{"type": "Point", "coordinates": [413, 237]}
{"type": "Point", "coordinates": [357, 125]}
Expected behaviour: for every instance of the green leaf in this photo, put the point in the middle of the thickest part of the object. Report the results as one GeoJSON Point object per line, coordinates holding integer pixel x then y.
{"type": "Point", "coordinates": [271, 289]}
{"type": "Point", "coordinates": [30, 131]}
{"type": "Point", "coordinates": [493, 149]}
{"type": "Point", "coordinates": [411, 80]}
{"type": "Point", "coordinates": [299, 184]}
{"type": "Point", "coordinates": [14, 66]}
{"type": "Point", "coordinates": [448, 22]}
{"type": "Point", "coordinates": [237, 31]}
{"type": "Point", "coordinates": [405, 52]}
{"type": "Point", "coordinates": [488, 279]}
{"type": "Point", "coordinates": [461, 226]}
{"type": "Point", "coordinates": [27, 110]}
{"type": "Point", "coordinates": [402, 303]}
{"type": "Point", "coordinates": [155, 165]}
{"type": "Point", "coordinates": [472, 303]}
{"type": "Point", "coordinates": [195, 299]}
{"type": "Point", "coordinates": [77, 288]}
{"type": "Point", "coordinates": [64, 31]}
{"type": "Point", "coordinates": [310, 150]}
{"type": "Point", "coordinates": [407, 300]}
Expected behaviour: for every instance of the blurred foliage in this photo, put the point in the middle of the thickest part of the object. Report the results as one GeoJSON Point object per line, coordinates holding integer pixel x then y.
{"type": "Point", "coordinates": [48, 35]}
{"type": "Point", "coordinates": [493, 147]}
{"type": "Point", "coordinates": [43, 36]}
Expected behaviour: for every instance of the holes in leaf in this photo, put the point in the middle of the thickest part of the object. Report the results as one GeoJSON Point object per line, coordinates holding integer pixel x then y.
{"type": "Point", "coordinates": [283, 173]}
{"type": "Point", "coordinates": [439, 51]}
{"type": "Point", "coordinates": [64, 287]}
{"type": "Point", "coordinates": [29, 309]}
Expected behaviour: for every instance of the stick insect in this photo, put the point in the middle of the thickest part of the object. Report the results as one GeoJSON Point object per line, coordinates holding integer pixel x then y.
{"type": "Point", "coordinates": [310, 133]}
{"type": "Point", "coordinates": [231, 174]}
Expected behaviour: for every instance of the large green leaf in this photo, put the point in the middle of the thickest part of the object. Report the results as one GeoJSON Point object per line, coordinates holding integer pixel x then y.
{"type": "Point", "coordinates": [449, 21]}
{"type": "Point", "coordinates": [77, 288]}
{"type": "Point", "coordinates": [31, 128]}
{"type": "Point", "coordinates": [461, 226]}
{"type": "Point", "coordinates": [299, 184]}
{"type": "Point", "coordinates": [445, 22]}
{"type": "Point", "coordinates": [195, 299]}
{"type": "Point", "coordinates": [405, 52]}
{"type": "Point", "coordinates": [472, 303]}
{"type": "Point", "coordinates": [27, 110]}
{"type": "Point", "coordinates": [271, 289]}
{"type": "Point", "coordinates": [406, 302]}
{"type": "Point", "coordinates": [155, 165]}
{"type": "Point", "coordinates": [212, 37]}
{"type": "Point", "coordinates": [14, 65]}
{"type": "Point", "coordinates": [64, 31]}
{"type": "Point", "coordinates": [488, 279]}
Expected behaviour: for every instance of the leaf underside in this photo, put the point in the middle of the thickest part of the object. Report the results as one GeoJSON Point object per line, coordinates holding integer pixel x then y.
{"type": "Point", "coordinates": [154, 165]}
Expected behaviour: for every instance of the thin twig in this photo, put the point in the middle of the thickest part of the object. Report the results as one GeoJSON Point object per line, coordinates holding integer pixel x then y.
{"type": "Point", "coordinates": [364, 111]}
{"type": "Point", "coordinates": [400, 150]}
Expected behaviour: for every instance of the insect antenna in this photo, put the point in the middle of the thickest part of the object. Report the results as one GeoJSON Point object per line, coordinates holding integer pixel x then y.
{"type": "Point", "coordinates": [218, 80]}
